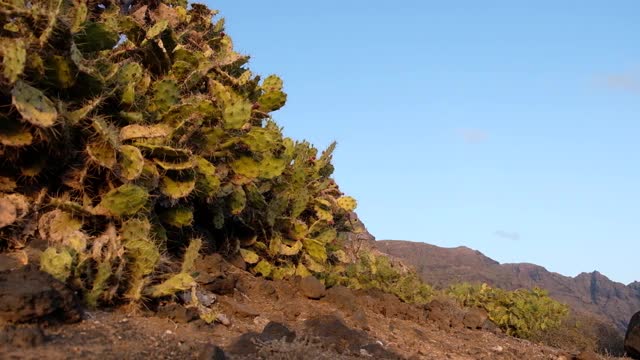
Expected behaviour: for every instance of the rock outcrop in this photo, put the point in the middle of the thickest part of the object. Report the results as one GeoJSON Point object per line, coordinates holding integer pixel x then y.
{"type": "Point", "coordinates": [632, 339]}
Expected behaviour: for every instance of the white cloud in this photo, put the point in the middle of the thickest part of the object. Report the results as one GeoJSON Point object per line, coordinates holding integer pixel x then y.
{"type": "Point", "coordinates": [509, 235]}
{"type": "Point", "coordinates": [473, 136]}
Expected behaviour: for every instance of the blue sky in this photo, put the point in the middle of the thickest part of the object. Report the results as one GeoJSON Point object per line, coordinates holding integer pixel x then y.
{"type": "Point", "coordinates": [508, 127]}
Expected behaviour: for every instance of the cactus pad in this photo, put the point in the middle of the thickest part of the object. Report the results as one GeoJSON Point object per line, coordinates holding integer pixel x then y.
{"type": "Point", "coordinates": [177, 217]}
{"type": "Point", "coordinates": [126, 200]}
{"type": "Point", "coordinates": [56, 262]}
{"type": "Point", "coordinates": [175, 284]}
{"type": "Point", "coordinates": [347, 203]}
{"type": "Point", "coordinates": [102, 154]}
{"type": "Point", "coordinates": [14, 57]}
{"type": "Point", "coordinates": [33, 105]}
{"type": "Point", "coordinates": [14, 134]}
{"type": "Point", "coordinates": [131, 162]}
{"type": "Point", "coordinates": [177, 187]}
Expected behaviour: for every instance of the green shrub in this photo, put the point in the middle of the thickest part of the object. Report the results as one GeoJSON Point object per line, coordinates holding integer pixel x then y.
{"type": "Point", "coordinates": [522, 313]}
{"type": "Point", "coordinates": [372, 271]}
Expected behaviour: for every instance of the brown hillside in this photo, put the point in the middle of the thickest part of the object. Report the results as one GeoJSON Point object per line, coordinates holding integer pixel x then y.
{"type": "Point", "coordinates": [587, 292]}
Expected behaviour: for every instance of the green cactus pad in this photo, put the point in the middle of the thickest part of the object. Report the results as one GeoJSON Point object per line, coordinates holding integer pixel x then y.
{"type": "Point", "coordinates": [283, 272]}
{"type": "Point", "coordinates": [57, 262]}
{"type": "Point", "coordinates": [323, 214]}
{"type": "Point", "coordinates": [263, 268]}
{"type": "Point", "coordinates": [99, 283]}
{"type": "Point", "coordinates": [326, 236]}
{"type": "Point", "coordinates": [272, 83]}
{"type": "Point", "coordinates": [164, 152]}
{"type": "Point", "coordinates": [14, 57]}
{"type": "Point", "coordinates": [191, 255]}
{"type": "Point", "coordinates": [60, 71]}
{"type": "Point", "coordinates": [173, 285]}
{"type": "Point", "coordinates": [207, 182]}
{"type": "Point", "coordinates": [157, 29]}
{"type": "Point", "coordinates": [237, 200]}
{"type": "Point", "coordinates": [144, 253]}
{"type": "Point", "coordinates": [14, 134]}
{"type": "Point", "coordinates": [291, 250]}
{"type": "Point", "coordinates": [165, 94]}
{"type": "Point", "coordinates": [177, 217]}
{"type": "Point", "coordinates": [271, 167]}
{"type": "Point", "coordinates": [169, 165]}
{"type": "Point", "coordinates": [33, 105]}
{"type": "Point", "coordinates": [132, 116]}
{"type": "Point", "coordinates": [125, 200]}
{"type": "Point", "coordinates": [76, 116]}
{"type": "Point", "coordinates": [102, 154]}
{"type": "Point", "coordinates": [249, 256]}
{"type": "Point", "coordinates": [247, 167]}
{"type": "Point", "coordinates": [178, 187]}
{"type": "Point", "coordinates": [314, 264]}
{"type": "Point", "coordinates": [315, 249]}
{"type": "Point", "coordinates": [131, 162]}
{"type": "Point", "coordinates": [95, 37]}
{"type": "Point", "coordinates": [136, 131]}
{"type": "Point", "coordinates": [135, 229]}
{"type": "Point", "coordinates": [302, 271]}
{"type": "Point", "coordinates": [272, 101]}
{"type": "Point", "coordinates": [129, 73]}
{"type": "Point", "coordinates": [347, 203]}
{"type": "Point", "coordinates": [262, 140]}
{"type": "Point", "coordinates": [237, 114]}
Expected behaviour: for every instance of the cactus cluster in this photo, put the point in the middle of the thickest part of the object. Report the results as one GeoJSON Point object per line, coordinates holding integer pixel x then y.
{"type": "Point", "coordinates": [135, 135]}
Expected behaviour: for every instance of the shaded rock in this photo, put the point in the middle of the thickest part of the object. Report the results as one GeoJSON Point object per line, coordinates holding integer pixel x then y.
{"type": "Point", "coordinates": [212, 352]}
{"type": "Point", "coordinates": [586, 355]}
{"type": "Point", "coordinates": [389, 305]}
{"type": "Point", "coordinates": [445, 313]}
{"type": "Point", "coordinates": [238, 262]}
{"type": "Point", "coordinates": [335, 333]}
{"type": "Point", "coordinates": [244, 344]}
{"type": "Point", "coordinates": [475, 318]}
{"type": "Point", "coordinates": [312, 287]}
{"type": "Point", "coordinates": [241, 310]}
{"type": "Point", "coordinates": [267, 290]}
{"type": "Point", "coordinates": [28, 295]}
{"type": "Point", "coordinates": [178, 313]}
{"type": "Point", "coordinates": [360, 320]}
{"type": "Point", "coordinates": [222, 285]}
{"type": "Point", "coordinates": [276, 331]}
{"type": "Point", "coordinates": [213, 264]}
{"type": "Point", "coordinates": [343, 298]}
{"type": "Point", "coordinates": [632, 338]}
{"type": "Point", "coordinates": [22, 336]}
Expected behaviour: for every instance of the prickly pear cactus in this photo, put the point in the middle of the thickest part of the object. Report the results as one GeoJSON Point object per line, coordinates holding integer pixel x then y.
{"type": "Point", "coordinates": [127, 129]}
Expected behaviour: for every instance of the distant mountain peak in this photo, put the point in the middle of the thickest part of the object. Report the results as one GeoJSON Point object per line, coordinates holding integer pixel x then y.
{"type": "Point", "coordinates": [592, 292]}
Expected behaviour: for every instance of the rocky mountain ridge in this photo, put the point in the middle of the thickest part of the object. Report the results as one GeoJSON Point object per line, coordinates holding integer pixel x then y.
{"type": "Point", "coordinates": [589, 292]}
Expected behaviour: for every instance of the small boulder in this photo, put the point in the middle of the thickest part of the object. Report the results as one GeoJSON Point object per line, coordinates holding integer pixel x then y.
{"type": "Point", "coordinates": [241, 310]}
{"type": "Point", "coordinates": [212, 352]}
{"type": "Point", "coordinates": [632, 338]}
{"type": "Point", "coordinates": [29, 295]}
{"type": "Point", "coordinates": [445, 313]}
{"type": "Point", "coordinates": [22, 336]}
{"type": "Point", "coordinates": [312, 287]}
{"type": "Point", "coordinates": [178, 313]}
{"type": "Point", "coordinates": [276, 331]}
{"type": "Point", "coordinates": [475, 318]}
{"type": "Point", "coordinates": [343, 298]}
{"type": "Point", "coordinates": [586, 355]}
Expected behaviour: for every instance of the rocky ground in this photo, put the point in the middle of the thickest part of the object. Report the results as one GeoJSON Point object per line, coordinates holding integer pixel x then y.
{"type": "Point", "coordinates": [296, 319]}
